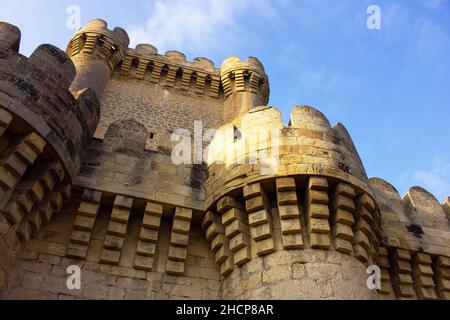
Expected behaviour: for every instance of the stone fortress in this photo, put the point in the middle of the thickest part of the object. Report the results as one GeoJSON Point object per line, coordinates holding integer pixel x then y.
{"type": "Point", "coordinates": [87, 179]}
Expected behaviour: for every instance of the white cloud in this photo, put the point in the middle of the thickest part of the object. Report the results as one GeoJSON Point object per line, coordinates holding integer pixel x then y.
{"type": "Point", "coordinates": [198, 25]}
{"type": "Point", "coordinates": [435, 179]}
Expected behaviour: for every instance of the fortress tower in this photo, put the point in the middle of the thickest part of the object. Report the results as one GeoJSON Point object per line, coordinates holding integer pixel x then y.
{"type": "Point", "coordinates": [274, 212]}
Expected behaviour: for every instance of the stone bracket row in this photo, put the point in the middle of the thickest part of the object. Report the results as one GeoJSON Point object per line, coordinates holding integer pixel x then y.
{"type": "Point", "coordinates": [237, 230]}
{"type": "Point", "coordinates": [148, 237]}
{"type": "Point", "coordinates": [289, 212]}
{"type": "Point", "coordinates": [179, 241]}
{"type": "Point", "coordinates": [117, 230]}
{"type": "Point", "coordinates": [16, 161]}
{"type": "Point", "coordinates": [220, 244]}
{"type": "Point", "coordinates": [260, 219]}
{"type": "Point", "coordinates": [155, 68]}
{"type": "Point", "coordinates": [85, 219]}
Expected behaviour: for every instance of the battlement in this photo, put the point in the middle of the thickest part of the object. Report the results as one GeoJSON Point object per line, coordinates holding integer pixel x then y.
{"type": "Point", "coordinates": [239, 76]}
{"type": "Point", "coordinates": [411, 222]}
{"type": "Point", "coordinates": [45, 130]}
{"type": "Point", "coordinates": [308, 146]}
{"type": "Point", "coordinates": [36, 90]}
{"type": "Point", "coordinates": [96, 39]}
{"type": "Point", "coordinates": [199, 76]}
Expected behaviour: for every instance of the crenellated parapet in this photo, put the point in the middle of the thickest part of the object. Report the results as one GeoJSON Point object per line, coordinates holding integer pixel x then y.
{"type": "Point", "coordinates": [303, 188]}
{"type": "Point", "coordinates": [172, 70]}
{"type": "Point", "coordinates": [258, 146]}
{"type": "Point", "coordinates": [44, 131]}
{"type": "Point", "coordinates": [287, 190]}
{"type": "Point", "coordinates": [245, 85]}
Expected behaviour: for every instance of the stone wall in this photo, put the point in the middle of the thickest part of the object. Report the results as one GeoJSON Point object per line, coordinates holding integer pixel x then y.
{"type": "Point", "coordinates": [40, 272]}
{"type": "Point", "coordinates": [299, 275]}
{"type": "Point", "coordinates": [160, 109]}
{"type": "Point", "coordinates": [87, 179]}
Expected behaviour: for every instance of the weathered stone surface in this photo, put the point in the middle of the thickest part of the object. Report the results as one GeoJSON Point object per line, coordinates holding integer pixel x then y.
{"type": "Point", "coordinates": [87, 172]}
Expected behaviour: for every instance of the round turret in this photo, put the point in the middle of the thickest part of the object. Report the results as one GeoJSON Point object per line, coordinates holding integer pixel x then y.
{"type": "Point", "coordinates": [245, 84]}
{"type": "Point", "coordinates": [96, 51]}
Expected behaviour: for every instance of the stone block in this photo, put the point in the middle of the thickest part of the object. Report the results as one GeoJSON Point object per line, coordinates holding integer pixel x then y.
{"type": "Point", "coordinates": [219, 241]}
{"type": "Point", "coordinates": [319, 211]}
{"type": "Point", "coordinates": [287, 198]}
{"type": "Point", "coordinates": [88, 209]}
{"type": "Point", "coordinates": [319, 241]}
{"type": "Point", "coordinates": [264, 247]}
{"type": "Point", "coordinates": [242, 256]}
{"type": "Point", "coordinates": [208, 219]}
{"type": "Point", "coordinates": [84, 223]}
{"type": "Point", "coordinates": [344, 203]}
{"type": "Point", "coordinates": [76, 251]}
{"type": "Point", "coordinates": [286, 184]}
{"type": "Point", "coordinates": [343, 246]}
{"type": "Point", "coordinates": [318, 183]}
{"type": "Point", "coordinates": [120, 215]}
{"type": "Point", "coordinates": [292, 241]}
{"type": "Point", "coordinates": [345, 190]}
{"type": "Point", "coordinates": [146, 248]}
{"type": "Point", "coordinates": [151, 222]}
{"type": "Point", "coordinates": [252, 190]}
{"type": "Point", "coordinates": [317, 196]}
{"type": "Point", "coordinates": [143, 262]}
{"type": "Point", "coordinates": [177, 253]}
{"type": "Point", "coordinates": [92, 196]}
{"type": "Point", "coordinates": [290, 226]}
{"type": "Point", "coordinates": [261, 232]}
{"type": "Point", "coordinates": [235, 228]}
{"type": "Point", "coordinates": [110, 257]}
{"type": "Point", "coordinates": [175, 268]}
{"type": "Point", "coordinates": [80, 237]}
{"type": "Point", "coordinates": [343, 231]}
{"type": "Point", "coordinates": [258, 218]}
{"type": "Point", "coordinates": [289, 212]}
{"type": "Point", "coordinates": [214, 230]}
{"type": "Point", "coordinates": [154, 209]}
{"type": "Point", "coordinates": [344, 217]}
{"type": "Point", "coordinates": [222, 254]}
{"type": "Point", "coordinates": [227, 203]}
{"type": "Point", "coordinates": [364, 227]}
{"type": "Point", "coordinates": [148, 235]}
{"type": "Point", "coordinates": [239, 241]}
{"type": "Point", "coordinates": [117, 229]}
{"type": "Point", "coordinates": [123, 202]}
{"type": "Point", "coordinates": [226, 267]}
{"type": "Point", "coordinates": [360, 253]}
{"type": "Point", "coordinates": [181, 226]}
{"type": "Point", "coordinates": [179, 239]}
{"type": "Point", "coordinates": [255, 204]}
{"type": "Point", "coordinates": [232, 215]}
{"type": "Point", "coordinates": [114, 242]}
{"type": "Point", "coordinates": [321, 226]}
{"type": "Point", "coordinates": [183, 214]}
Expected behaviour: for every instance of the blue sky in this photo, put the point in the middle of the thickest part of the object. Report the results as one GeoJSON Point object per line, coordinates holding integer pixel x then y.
{"type": "Point", "coordinates": [390, 87]}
